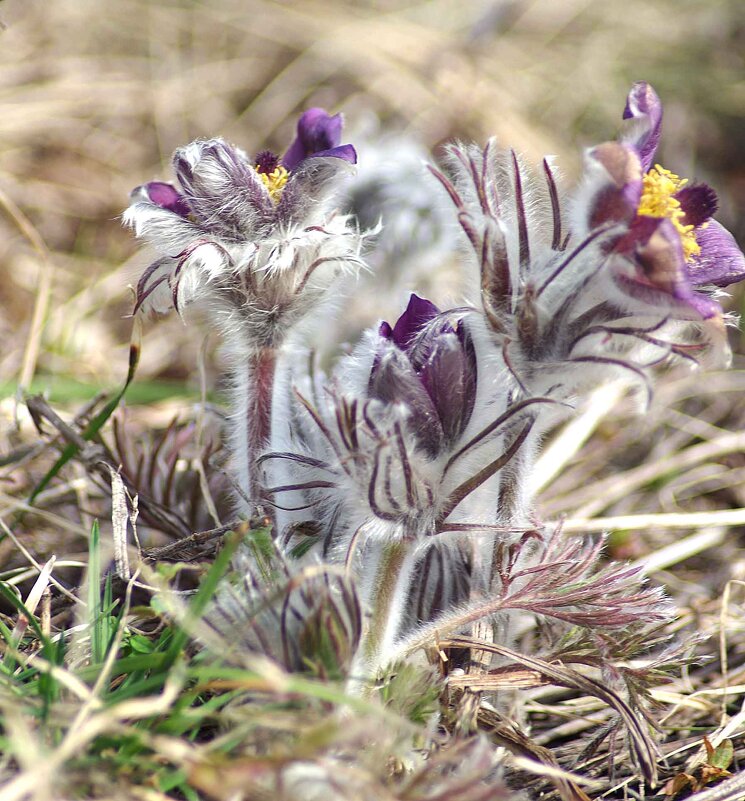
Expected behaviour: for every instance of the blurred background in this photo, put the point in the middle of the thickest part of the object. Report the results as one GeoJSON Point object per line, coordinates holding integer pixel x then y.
{"type": "Point", "coordinates": [96, 94]}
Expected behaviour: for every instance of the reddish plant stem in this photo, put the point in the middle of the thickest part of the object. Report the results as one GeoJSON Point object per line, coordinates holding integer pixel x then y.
{"type": "Point", "coordinates": [254, 419]}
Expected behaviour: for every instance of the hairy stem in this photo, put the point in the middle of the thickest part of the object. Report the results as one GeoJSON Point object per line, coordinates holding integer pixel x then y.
{"type": "Point", "coordinates": [511, 504]}
{"type": "Point", "coordinates": [388, 598]}
{"type": "Point", "coordinates": [252, 420]}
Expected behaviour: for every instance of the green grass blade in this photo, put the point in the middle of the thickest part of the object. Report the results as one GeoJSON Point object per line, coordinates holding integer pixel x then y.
{"type": "Point", "coordinates": [203, 595]}
{"type": "Point", "coordinates": [95, 618]}
{"type": "Point", "coordinates": [97, 423]}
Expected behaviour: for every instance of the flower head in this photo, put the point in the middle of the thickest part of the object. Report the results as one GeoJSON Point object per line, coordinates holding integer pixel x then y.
{"type": "Point", "coordinates": [388, 430]}
{"type": "Point", "coordinates": [308, 618]}
{"type": "Point", "coordinates": [257, 239]}
{"type": "Point", "coordinates": [427, 362]}
{"type": "Point", "coordinates": [573, 290]}
{"type": "Point", "coordinates": [671, 237]}
{"type": "Point", "coordinates": [393, 443]}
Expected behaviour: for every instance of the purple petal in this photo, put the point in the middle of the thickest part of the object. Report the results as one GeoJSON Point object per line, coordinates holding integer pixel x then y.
{"type": "Point", "coordinates": [644, 108]}
{"type": "Point", "coordinates": [385, 331]}
{"type": "Point", "coordinates": [694, 307]}
{"type": "Point", "coordinates": [699, 202]}
{"type": "Point", "coordinates": [664, 275]}
{"type": "Point", "coordinates": [427, 339]}
{"type": "Point", "coordinates": [418, 313]}
{"type": "Point", "coordinates": [345, 152]}
{"type": "Point", "coordinates": [720, 262]}
{"type": "Point", "coordinates": [294, 155]}
{"type": "Point", "coordinates": [658, 252]}
{"type": "Point", "coordinates": [617, 199]}
{"type": "Point", "coordinates": [225, 193]}
{"type": "Point", "coordinates": [317, 131]}
{"type": "Point", "coordinates": [393, 380]}
{"type": "Point", "coordinates": [449, 376]}
{"type": "Point", "coordinates": [429, 365]}
{"type": "Point", "coordinates": [704, 305]}
{"type": "Point", "coordinates": [166, 196]}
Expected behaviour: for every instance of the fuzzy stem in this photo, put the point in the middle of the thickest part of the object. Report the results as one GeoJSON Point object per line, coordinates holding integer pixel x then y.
{"type": "Point", "coordinates": [254, 387]}
{"type": "Point", "coordinates": [511, 504]}
{"type": "Point", "coordinates": [390, 578]}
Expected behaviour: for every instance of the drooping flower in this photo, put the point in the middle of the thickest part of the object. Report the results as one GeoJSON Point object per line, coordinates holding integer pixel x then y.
{"type": "Point", "coordinates": [392, 444]}
{"type": "Point", "coordinates": [672, 238]}
{"type": "Point", "coordinates": [254, 238]}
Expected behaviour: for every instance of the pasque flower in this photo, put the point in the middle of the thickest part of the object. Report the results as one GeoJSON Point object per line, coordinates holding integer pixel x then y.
{"type": "Point", "coordinates": [257, 243]}
{"type": "Point", "coordinates": [677, 247]}
{"type": "Point", "coordinates": [410, 465]}
{"type": "Point", "coordinates": [385, 434]}
{"type": "Point", "coordinates": [248, 234]}
{"type": "Point", "coordinates": [576, 288]}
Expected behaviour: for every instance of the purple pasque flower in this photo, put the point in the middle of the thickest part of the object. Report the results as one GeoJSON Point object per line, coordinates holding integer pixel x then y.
{"type": "Point", "coordinates": [251, 234]}
{"type": "Point", "coordinates": [374, 448]}
{"type": "Point", "coordinates": [573, 290]}
{"type": "Point", "coordinates": [318, 136]}
{"type": "Point", "coordinates": [670, 237]}
{"type": "Point", "coordinates": [427, 362]}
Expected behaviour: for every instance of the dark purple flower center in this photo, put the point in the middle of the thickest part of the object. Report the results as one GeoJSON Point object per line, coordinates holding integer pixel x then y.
{"type": "Point", "coordinates": [698, 202]}
{"type": "Point", "coordinates": [266, 162]}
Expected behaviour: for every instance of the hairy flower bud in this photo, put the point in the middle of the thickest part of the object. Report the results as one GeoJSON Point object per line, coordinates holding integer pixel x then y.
{"type": "Point", "coordinates": [427, 362]}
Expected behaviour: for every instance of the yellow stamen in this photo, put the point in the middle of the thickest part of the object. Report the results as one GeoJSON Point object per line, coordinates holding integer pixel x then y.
{"type": "Point", "coordinates": [660, 186]}
{"type": "Point", "coordinates": [275, 181]}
